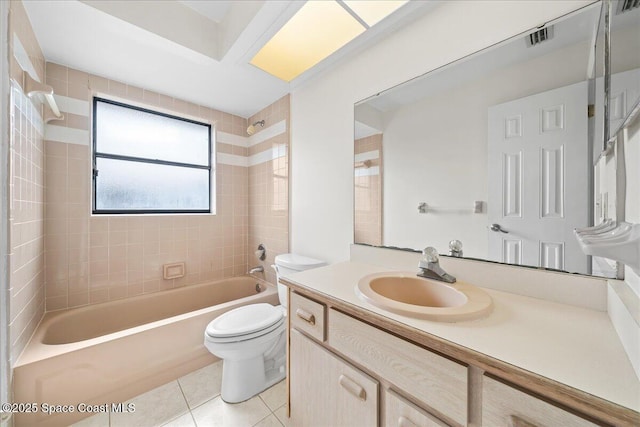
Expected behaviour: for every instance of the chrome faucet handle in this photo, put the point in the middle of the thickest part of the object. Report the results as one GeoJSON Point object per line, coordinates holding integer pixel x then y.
{"type": "Point", "coordinates": [430, 254]}
{"type": "Point", "coordinates": [455, 248]}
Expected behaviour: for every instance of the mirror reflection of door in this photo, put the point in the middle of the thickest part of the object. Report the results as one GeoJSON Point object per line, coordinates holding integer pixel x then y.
{"type": "Point", "coordinates": [535, 195]}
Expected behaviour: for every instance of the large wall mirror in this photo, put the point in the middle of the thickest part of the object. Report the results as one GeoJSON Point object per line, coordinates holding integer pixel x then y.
{"type": "Point", "coordinates": [497, 150]}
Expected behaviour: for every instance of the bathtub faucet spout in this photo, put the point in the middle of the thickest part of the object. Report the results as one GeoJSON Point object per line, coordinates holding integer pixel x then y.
{"type": "Point", "coordinates": [258, 269]}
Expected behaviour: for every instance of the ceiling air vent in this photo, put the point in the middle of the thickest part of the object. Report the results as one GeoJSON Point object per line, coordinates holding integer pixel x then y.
{"type": "Point", "coordinates": [627, 5]}
{"type": "Point", "coordinates": [541, 35]}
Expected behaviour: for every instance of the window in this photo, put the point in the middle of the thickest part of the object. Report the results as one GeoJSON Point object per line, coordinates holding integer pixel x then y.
{"type": "Point", "coordinates": [149, 162]}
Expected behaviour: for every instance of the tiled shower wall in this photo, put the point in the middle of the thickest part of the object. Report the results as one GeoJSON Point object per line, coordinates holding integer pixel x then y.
{"type": "Point", "coordinates": [269, 185]}
{"type": "Point", "coordinates": [92, 259]}
{"type": "Point", "coordinates": [26, 192]}
{"type": "Point", "coordinates": [368, 190]}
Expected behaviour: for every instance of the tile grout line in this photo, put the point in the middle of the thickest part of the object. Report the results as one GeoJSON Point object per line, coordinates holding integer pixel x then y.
{"type": "Point", "coordinates": [184, 396]}
{"type": "Point", "coordinates": [277, 418]}
{"type": "Point", "coordinates": [264, 418]}
{"type": "Point", "coordinates": [272, 411]}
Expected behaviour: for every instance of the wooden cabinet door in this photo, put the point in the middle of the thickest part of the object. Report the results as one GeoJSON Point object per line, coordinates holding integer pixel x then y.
{"type": "Point", "coordinates": [326, 391]}
{"type": "Point", "coordinates": [439, 383]}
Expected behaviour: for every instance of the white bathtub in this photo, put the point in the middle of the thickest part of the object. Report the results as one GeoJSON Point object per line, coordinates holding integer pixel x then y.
{"type": "Point", "coordinates": [108, 353]}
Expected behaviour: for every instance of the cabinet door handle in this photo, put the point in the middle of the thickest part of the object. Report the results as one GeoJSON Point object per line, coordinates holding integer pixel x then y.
{"type": "Point", "coordinates": [353, 387]}
{"type": "Point", "coordinates": [516, 421]}
{"type": "Point", "coordinates": [306, 316]}
{"type": "Point", "coordinates": [406, 422]}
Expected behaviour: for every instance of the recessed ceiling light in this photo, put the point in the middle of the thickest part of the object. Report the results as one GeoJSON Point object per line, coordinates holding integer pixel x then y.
{"type": "Point", "coordinates": [316, 31]}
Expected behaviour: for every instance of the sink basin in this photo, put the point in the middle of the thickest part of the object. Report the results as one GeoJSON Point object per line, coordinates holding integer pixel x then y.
{"type": "Point", "coordinates": [413, 296]}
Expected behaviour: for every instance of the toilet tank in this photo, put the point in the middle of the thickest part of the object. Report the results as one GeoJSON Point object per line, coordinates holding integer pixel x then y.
{"type": "Point", "coordinates": [287, 264]}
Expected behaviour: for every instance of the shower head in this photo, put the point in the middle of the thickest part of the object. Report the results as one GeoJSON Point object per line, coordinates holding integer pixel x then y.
{"type": "Point", "coordinates": [252, 128]}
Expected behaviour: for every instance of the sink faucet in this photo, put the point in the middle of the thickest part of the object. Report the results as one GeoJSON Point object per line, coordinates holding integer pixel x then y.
{"type": "Point", "coordinates": [430, 267]}
{"type": "Point", "coordinates": [258, 269]}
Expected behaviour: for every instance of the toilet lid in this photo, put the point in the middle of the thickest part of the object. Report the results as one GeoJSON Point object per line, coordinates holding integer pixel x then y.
{"type": "Point", "coordinates": [244, 320]}
{"type": "Point", "coordinates": [298, 262]}
{"type": "Point", "coordinates": [276, 329]}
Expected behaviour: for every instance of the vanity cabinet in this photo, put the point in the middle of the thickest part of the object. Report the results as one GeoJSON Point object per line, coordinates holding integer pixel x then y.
{"type": "Point", "coordinates": [327, 390]}
{"type": "Point", "coordinates": [343, 371]}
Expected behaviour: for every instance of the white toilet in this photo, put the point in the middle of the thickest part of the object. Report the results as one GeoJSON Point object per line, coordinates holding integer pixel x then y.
{"type": "Point", "coordinates": [251, 339]}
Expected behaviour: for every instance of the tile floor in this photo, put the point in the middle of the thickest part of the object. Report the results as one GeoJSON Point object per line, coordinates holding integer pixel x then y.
{"type": "Point", "coordinates": [194, 400]}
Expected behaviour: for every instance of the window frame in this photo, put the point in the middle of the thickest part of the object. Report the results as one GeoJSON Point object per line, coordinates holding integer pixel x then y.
{"type": "Point", "coordinates": [95, 154]}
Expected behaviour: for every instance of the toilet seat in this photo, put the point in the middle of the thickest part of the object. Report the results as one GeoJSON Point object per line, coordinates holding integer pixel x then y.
{"type": "Point", "coordinates": [244, 323]}
{"type": "Point", "coordinates": [276, 327]}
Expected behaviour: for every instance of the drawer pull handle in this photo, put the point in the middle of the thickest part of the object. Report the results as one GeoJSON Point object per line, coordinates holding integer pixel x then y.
{"type": "Point", "coordinates": [353, 387]}
{"type": "Point", "coordinates": [405, 422]}
{"type": "Point", "coordinates": [306, 316]}
{"type": "Point", "coordinates": [515, 421]}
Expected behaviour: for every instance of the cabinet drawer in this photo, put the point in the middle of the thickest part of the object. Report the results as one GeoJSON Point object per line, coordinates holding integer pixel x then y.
{"type": "Point", "coordinates": [437, 381]}
{"type": "Point", "coordinates": [398, 412]}
{"type": "Point", "coordinates": [503, 405]}
{"type": "Point", "coordinates": [307, 316]}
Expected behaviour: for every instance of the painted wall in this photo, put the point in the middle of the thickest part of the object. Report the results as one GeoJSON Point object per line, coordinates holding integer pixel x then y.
{"type": "Point", "coordinates": [26, 188]}
{"type": "Point", "coordinates": [322, 109]}
{"type": "Point", "coordinates": [92, 259]}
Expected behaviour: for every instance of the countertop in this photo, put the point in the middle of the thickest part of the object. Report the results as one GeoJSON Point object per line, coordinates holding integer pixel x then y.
{"type": "Point", "coordinates": [572, 345]}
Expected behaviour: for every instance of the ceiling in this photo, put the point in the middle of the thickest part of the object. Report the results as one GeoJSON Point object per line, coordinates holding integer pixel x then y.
{"type": "Point", "coordinates": [196, 50]}
{"type": "Point", "coordinates": [214, 10]}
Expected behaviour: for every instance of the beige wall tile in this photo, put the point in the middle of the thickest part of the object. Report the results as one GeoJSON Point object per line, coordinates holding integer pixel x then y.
{"type": "Point", "coordinates": [98, 84]}
{"type": "Point", "coordinates": [134, 93]}
{"type": "Point", "coordinates": [79, 299]}
{"type": "Point", "coordinates": [27, 208]}
{"type": "Point", "coordinates": [76, 77]}
{"type": "Point", "coordinates": [117, 292]}
{"type": "Point", "coordinates": [77, 122]}
{"type": "Point", "coordinates": [151, 98]}
{"type": "Point", "coordinates": [59, 86]}
{"type": "Point", "coordinates": [99, 295]}
{"type": "Point", "coordinates": [117, 88]}
{"type": "Point", "coordinates": [78, 91]}
{"type": "Point", "coordinates": [212, 246]}
{"type": "Point", "coordinates": [56, 303]}
{"type": "Point", "coordinates": [56, 71]}
{"type": "Point", "coordinates": [135, 289]}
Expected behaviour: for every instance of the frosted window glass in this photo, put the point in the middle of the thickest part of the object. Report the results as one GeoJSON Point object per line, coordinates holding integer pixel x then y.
{"type": "Point", "coordinates": [125, 185]}
{"type": "Point", "coordinates": [130, 132]}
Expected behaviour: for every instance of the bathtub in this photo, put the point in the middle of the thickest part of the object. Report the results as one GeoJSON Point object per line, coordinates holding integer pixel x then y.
{"type": "Point", "coordinates": [110, 352]}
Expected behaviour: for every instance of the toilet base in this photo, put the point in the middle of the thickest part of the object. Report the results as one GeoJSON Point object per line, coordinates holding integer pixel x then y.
{"type": "Point", "coordinates": [243, 379]}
